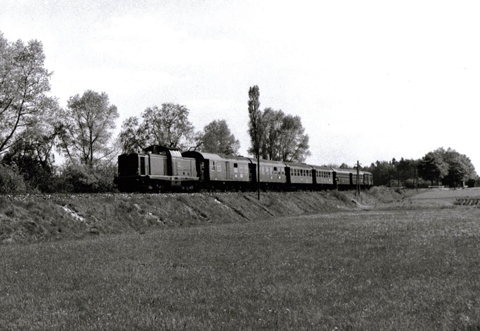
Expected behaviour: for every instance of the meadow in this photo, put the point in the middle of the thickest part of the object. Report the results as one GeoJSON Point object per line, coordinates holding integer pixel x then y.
{"type": "Point", "coordinates": [405, 267]}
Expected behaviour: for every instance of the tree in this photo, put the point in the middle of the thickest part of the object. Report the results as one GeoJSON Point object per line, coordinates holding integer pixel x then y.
{"type": "Point", "coordinates": [448, 165]}
{"type": "Point", "coordinates": [255, 115]}
{"type": "Point", "coordinates": [271, 122]}
{"type": "Point", "coordinates": [86, 127]}
{"type": "Point", "coordinates": [217, 138]}
{"type": "Point", "coordinates": [132, 138]}
{"type": "Point", "coordinates": [24, 83]}
{"type": "Point", "coordinates": [293, 142]}
{"type": "Point", "coordinates": [460, 168]}
{"type": "Point", "coordinates": [32, 155]}
{"type": "Point", "coordinates": [254, 126]}
{"type": "Point", "coordinates": [167, 126]}
{"type": "Point", "coordinates": [433, 167]}
{"type": "Point", "coordinates": [282, 137]}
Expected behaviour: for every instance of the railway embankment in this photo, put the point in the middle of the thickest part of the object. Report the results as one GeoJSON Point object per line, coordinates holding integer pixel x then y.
{"type": "Point", "coordinates": [35, 218]}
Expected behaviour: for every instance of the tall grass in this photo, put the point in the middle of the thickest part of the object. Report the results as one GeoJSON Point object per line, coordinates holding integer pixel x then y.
{"type": "Point", "coordinates": [369, 270]}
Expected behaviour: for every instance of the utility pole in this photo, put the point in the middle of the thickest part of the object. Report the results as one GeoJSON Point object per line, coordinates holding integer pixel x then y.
{"type": "Point", "coordinates": [358, 178]}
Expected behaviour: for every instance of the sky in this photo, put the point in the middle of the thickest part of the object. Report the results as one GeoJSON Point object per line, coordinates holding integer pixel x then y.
{"type": "Point", "coordinates": [371, 80]}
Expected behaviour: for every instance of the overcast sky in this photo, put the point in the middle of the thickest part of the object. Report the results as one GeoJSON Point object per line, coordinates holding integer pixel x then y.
{"type": "Point", "coordinates": [371, 80]}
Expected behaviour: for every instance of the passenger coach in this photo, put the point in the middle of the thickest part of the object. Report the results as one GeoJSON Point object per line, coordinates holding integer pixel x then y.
{"type": "Point", "coordinates": [221, 172]}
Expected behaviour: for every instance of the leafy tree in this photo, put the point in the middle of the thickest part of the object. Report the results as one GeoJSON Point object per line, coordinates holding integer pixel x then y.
{"type": "Point", "coordinates": [33, 157]}
{"type": "Point", "coordinates": [86, 127]}
{"type": "Point", "coordinates": [283, 137]}
{"type": "Point", "coordinates": [460, 168]}
{"type": "Point", "coordinates": [167, 126]}
{"type": "Point", "coordinates": [384, 172]}
{"type": "Point", "coordinates": [132, 138]}
{"type": "Point", "coordinates": [448, 165]}
{"type": "Point", "coordinates": [407, 172]}
{"type": "Point", "coordinates": [271, 122]}
{"type": "Point", "coordinates": [293, 141]}
{"type": "Point", "coordinates": [433, 167]}
{"type": "Point", "coordinates": [217, 138]}
{"type": "Point", "coordinates": [24, 83]}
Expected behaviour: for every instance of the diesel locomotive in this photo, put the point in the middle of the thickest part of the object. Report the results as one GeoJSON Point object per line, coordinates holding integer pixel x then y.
{"type": "Point", "coordinates": [163, 169]}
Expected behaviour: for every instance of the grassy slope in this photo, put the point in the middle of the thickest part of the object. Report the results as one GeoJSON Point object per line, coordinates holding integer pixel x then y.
{"type": "Point", "coordinates": [46, 218]}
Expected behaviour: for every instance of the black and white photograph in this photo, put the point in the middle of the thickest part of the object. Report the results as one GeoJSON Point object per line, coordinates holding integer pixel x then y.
{"type": "Point", "coordinates": [239, 165]}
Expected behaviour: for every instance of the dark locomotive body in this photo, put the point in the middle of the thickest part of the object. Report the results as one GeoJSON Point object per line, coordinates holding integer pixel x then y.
{"type": "Point", "coordinates": [161, 169]}
{"type": "Point", "coordinates": [158, 169]}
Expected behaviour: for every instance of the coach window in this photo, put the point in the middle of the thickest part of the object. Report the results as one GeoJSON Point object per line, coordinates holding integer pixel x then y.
{"type": "Point", "coordinates": [235, 167]}
{"type": "Point", "coordinates": [219, 167]}
{"type": "Point", "coordinates": [213, 165]}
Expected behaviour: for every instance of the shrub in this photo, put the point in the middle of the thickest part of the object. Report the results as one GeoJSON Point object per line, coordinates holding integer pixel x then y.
{"type": "Point", "coordinates": [76, 178]}
{"type": "Point", "coordinates": [11, 181]}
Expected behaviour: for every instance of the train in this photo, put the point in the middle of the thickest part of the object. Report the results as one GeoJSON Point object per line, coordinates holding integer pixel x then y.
{"type": "Point", "coordinates": [163, 169]}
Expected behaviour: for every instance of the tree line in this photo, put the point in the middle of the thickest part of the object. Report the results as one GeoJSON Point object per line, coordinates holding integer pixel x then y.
{"type": "Point", "coordinates": [441, 167]}
{"type": "Point", "coordinates": [33, 126]}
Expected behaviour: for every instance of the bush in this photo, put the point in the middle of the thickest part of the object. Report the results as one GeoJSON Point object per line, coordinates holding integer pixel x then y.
{"type": "Point", "coordinates": [83, 179]}
{"type": "Point", "coordinates": [11, 181]}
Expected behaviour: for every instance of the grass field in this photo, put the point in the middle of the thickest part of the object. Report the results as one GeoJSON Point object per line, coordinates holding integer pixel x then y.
{"type": "Point", "coordinates": [402, 268]}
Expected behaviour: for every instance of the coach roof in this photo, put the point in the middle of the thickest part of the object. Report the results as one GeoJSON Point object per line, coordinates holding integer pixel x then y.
{"type": "Point", "coordinates": [214, 157]}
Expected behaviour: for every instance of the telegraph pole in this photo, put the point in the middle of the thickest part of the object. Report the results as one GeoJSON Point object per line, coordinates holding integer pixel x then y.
{"type": "Point", "coordinates": [358, 178]}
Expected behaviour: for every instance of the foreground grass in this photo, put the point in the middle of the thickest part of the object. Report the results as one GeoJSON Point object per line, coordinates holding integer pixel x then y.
{"type": "Point", "coordinates": [365, 270]}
